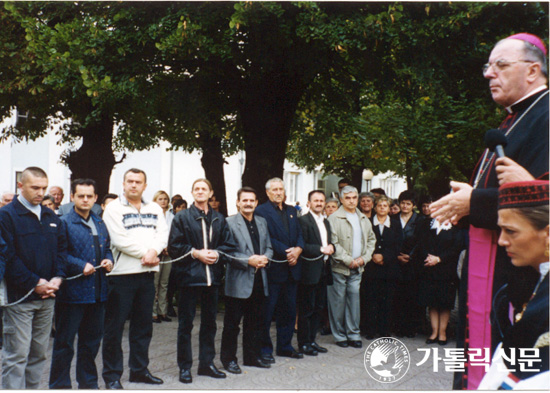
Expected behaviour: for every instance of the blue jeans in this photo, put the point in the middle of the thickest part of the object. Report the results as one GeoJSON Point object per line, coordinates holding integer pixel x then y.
{"type": "Point", "coordinates": [87, 321]}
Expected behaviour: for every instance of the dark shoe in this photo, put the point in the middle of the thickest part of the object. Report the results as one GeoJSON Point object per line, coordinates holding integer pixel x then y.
{"type": "Point", "coordinates": [318, 348]}
{"type": "Point", "coordinates": [431, 340]}
{"type": "Point", "coordinates": [115, 385]}
{"type": "Point", "coordinates": [258, 363]}
{"type": "Point", "coordinates": [171, 312]}
{"type": "Point", "coordinates": [232, 367]}
{"type": "Point", "coordinates": [308, 350]}
{"type": "Point", "coordinates": [211, 371]}
{"type": "Point", "coordinates": [356, 344]}
{"type": "Point", "coordinates": [164, 318]}
{"type": "Point", "coordinates": [156, 320]}
{"type": "Point", "coordinates": [185, 376]}
{"type": "Point", "coordinates": [145, 377]}
{"type": "Point", "coordinates": [267, 358]}
{"type": "Point", "coordinates": [343, 344]}
{"type": "Point", "coordinates": [442, 342]}
{"type": "Point", "coordinates": [290, 353]}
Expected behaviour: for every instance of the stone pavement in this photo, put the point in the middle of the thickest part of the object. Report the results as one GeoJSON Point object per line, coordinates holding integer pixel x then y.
{"type": "Point", "coordinates": [339, 369]}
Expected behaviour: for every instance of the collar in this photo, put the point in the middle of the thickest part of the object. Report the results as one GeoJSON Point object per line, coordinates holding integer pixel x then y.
{"type": "Point", "coordinates": [386, 223]}
{"type": "Point", "coordinates": [342, 213]}
{"type": "Point", "coordinates": [35, 209]}
{"type": "Point", "coordinates": [543, 268]}
{"type": "Point", "coordinates": [198, 213]}
{"type": "Point", "coordinates": [317, 217]}
{"type": "Point", "coordinates": [519, 104]}
{"type": "Point", "coordinates": [276, 207]}
{"type": "Point", "coordinates": [124, 201]}
{"type": "Point", "coordinates": [246, 219]}
{"type": "Point", "coordinates": [76, 218]}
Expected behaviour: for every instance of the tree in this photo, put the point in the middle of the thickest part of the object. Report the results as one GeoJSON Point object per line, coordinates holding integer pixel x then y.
{"type": "Point", "coordinates": [390, 86]}
{"type": "Point", "coordinates": [424, 114]}
{"type": "Point", "coordinates": [262, 57]}
{"type": "Point", "coordinates": [87, 65]}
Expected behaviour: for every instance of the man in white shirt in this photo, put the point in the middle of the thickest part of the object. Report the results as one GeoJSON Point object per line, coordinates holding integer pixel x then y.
{"type": "Point", "coordinates": [138, 233]}
{"type": "Point", "coordinates": [316, 273]}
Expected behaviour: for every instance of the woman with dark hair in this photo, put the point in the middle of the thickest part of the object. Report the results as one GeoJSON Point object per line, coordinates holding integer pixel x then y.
{"type": "Point", "coordinates": [382, 272]}
{"type": "Point", "coordinates": [424, 205]}
{"type": "Point", "coordinates": [439, 246]}
{"type": "Point", "coordinates": [49, 202]}
{"type": "Point", "coordinates": [524, 223]}
{"type": "Point", "coordinates": [366, 203]}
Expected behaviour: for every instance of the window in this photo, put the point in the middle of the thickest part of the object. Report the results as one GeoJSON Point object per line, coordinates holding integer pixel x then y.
{"type": "Point", "coordinates": [291, 187]}
{"type": "Point", "coordinates": [321, 183]}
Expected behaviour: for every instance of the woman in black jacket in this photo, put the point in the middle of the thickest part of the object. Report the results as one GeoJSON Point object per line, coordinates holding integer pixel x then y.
{"type": "Point", "coordinates": [439, 247]}
{"type": "Point", "coordinates": [382, 272]}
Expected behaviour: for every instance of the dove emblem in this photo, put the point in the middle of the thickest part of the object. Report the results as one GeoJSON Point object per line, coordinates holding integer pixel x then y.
{"type": "Point", "coordinates": [387, 360]}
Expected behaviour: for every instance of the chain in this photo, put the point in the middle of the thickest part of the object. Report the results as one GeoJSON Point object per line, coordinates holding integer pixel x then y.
{"type": "Point", "coordinates": [163, 263]}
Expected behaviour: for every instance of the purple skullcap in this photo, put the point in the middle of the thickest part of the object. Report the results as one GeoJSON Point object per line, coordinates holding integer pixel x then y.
{"type": "Point", "coordinates": [530, 38]}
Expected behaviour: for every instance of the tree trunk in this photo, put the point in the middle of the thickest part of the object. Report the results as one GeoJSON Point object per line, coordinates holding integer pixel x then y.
{"type": "Point", "coordinates": [212, 162]}
{"type": "Point", "coordinates": [357, 178]}
{"type": "Point", "coordinates": [95, 158]}
{"type": "Point", "coordinates": [266, 114]}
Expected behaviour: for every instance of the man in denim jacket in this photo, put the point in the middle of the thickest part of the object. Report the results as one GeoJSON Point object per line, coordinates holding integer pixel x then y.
{"type": "Point", "coordinates": [81, 302]}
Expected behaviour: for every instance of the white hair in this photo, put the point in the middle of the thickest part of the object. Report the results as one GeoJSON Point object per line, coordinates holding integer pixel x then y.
{"type": "Point", "coordinates": [348, 189]}
{"type": "Point", "coordinates": [273, 180]}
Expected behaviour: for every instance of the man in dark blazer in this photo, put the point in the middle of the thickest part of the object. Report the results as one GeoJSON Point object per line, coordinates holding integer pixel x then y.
{"type": "Point", "coordinates": [287, 242]}
{"type": "Point", "coordinates": [316, 273]}
{"type": "Point", "coordinates": [246, 284]}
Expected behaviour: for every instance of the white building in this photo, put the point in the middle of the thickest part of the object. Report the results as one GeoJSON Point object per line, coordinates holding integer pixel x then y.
{"type": "Point", "coordinates": [171, 171]}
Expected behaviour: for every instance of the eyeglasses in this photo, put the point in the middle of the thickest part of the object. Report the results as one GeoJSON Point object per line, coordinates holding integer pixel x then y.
{"type": "Point", "coordinates": [502, 64]}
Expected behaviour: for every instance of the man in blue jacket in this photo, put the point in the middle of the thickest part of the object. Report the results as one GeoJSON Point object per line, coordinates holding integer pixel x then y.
{"type": "Point", "coordinates": [35, 265]}
{"type": "Point", "coordinates": [81, 302]}
{"type": "Point", "coordinates": [287, 241]}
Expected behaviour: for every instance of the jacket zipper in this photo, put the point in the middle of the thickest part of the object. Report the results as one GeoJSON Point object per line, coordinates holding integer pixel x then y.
{"type": "Point", "coordinates": [205, 244]}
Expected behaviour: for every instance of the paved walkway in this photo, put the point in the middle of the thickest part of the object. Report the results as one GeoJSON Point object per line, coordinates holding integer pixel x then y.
{"type": "Point", "coordinates": [339, 369]}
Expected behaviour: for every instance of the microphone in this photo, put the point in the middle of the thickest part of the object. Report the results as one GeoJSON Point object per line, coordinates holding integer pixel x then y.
{"type": "Point", "coordinates": [496, 141]}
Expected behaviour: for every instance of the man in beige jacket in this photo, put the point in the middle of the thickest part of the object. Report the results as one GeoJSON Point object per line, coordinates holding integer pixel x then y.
{"type": "Point", "coordinates": [354, 241]}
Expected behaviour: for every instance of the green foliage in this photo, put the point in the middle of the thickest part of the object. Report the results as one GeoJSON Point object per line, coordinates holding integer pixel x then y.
{"type": "Point", "coordinates": [388, 86]}
{"type": "Point", "coordinates": [420, 105]}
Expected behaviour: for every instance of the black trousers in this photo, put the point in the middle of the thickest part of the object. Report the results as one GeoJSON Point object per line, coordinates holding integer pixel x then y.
{"type": "Point", "coordinates": [129, 294]}
{"type": "Point", "coordinates": [380, 294]}
{"type": "Point", "coordinates": [311, 303]}
{"type": "Point", "coordinates": [187, 305]}
{"type": "Point", "coordinates": [251, 311]}
{"type": "Point", "coordinates": [406, 307]}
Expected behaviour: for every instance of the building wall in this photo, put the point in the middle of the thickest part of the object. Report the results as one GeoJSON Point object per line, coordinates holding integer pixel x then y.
{"type": "Point", "coordinates": [171, 171]}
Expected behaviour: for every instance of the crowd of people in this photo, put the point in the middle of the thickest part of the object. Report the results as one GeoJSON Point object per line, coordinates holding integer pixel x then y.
{"type": "Point", "coordinates": [356, 264]}
{"type": "Point", "coordinates": [118, 259]}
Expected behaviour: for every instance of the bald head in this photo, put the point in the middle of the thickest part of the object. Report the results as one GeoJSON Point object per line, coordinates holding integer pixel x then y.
{"type": "Point", "coordinates": [6, 198]}
{"type": "Point", "coordinates": [58, 195]}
